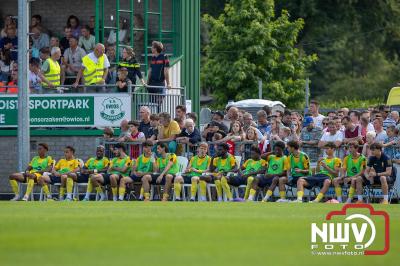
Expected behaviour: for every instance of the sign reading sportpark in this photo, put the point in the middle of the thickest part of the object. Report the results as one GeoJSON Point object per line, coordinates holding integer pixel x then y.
{"type": "Point", "coordinates": [69, 110]}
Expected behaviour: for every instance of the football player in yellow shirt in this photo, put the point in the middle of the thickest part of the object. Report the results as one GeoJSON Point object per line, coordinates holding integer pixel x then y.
{"type": "Point", "coordinates": [250, 169]}
{"type": "Point", "coordinates": [39, 165]}
{"type": "Point", "coordinates": [327, 169]}
{"type": "Point", "coordinates": [165, 167]}
{"type": "Point", "coordinates": [352, 171]}
{"type": "Point", "coordinates": [277, 168]}
{"type": "Point", "coordinates": [198, 165]}
{"type": "Point", "coordinates": [222, 164]}
{"type": "Point", "coordinates": [94, 165]}
{"type": "Point", "coordinates": [119, 168]}
{"type": "Point", "coordinates": [65, 173]}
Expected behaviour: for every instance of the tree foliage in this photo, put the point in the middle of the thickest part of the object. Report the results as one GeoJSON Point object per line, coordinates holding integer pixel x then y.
{"type": "Point", "coordinates": [248, 42]}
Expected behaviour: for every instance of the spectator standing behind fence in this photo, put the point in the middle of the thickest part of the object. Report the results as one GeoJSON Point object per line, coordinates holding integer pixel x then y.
{"type": "Point", "coordinates": [154, 126]}
{"type": "Point", "coordinates": [145, 125]}
{"type": "Point", "coordinates": [248, 122]}
{"type": "Point", "coordinates": [64, 42]}
{"type": "Point", "coordinates": [316, 116]}
{"type": "Point", "coordinates": [73, 23]}
{"type": "Point", "coordinates": [86, 40]}
{"type": "Point", "coordinates": [9, 44]}
{"type": "Point", "coordinates": [51, 71]}
{"type": "Point", "coordinates": [168, 131]}
{"type": "Point", "coordinates": [123, 82]}
{"type": "Point", "coordinates": [35, 80]}
{"type": "Point", "coordinates": [380, 132]}
{"type": "Point", "coordinates": [263, 125]}
{"type": "Point", "coordinates": [132, 65]}
{"type": "Point", "coordinates": [332, 136]}
{"type": "Point", "coordinates": [92, 24]}
{"type": "Point", "coordinates": [158, 74]}
{"type": "Point", "coordinates": [232, 115]}
{"type": "Point", "coordinates": [94, 68]}
{"type": "Point", "coordinates": [180, 115]}
{"type": "Point", "coordinates": [310, 136]}
{"type": "Point", "coordinates": [236, 134]}
{"type": "Point", "coordinates": [136, 136]}
{"type": "Point", "coordinates": [72, 61]}
{"type": "Point", "coordinates": [125, 134]}
{"type": "Point", "coordinates": [218, 117]}
{"type": "Point", "coordinates": [39, 38]}
{"type": "Point", "coordinates": [370, 138]}
{"type": "Point", "coordinates": [352, 132]}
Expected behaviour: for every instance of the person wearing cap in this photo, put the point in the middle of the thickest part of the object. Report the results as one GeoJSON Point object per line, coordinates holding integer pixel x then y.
{"type": "Point", "coordinates": [93, 166]}
{"type": "Point", "coordinates": [309, 138]}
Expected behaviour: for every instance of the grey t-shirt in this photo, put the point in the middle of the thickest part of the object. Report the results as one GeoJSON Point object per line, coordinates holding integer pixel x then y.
{"type": "Point", "coordinates": [74, 57]}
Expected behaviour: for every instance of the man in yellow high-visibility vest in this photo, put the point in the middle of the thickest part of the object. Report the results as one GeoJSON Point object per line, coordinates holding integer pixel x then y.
{"type": "Point", "coordinates": [51, 72]}
{"type": "Point", "coordinates": [94, 67]}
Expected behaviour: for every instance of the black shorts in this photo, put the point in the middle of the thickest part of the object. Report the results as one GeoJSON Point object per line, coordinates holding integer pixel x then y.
{"type": "Point", "coordinates": [293, 180]}
{"type": "Point", "coordinates": [316, 180]}
{"type": "Point", "coordinates": [155, 176]}
{"type": "Point", "coordinates": [237, 180]}
{"type": "Point", "coordinates": [55, 179]}
{"type": "Point", "coordinates": [136, 178]}
{"type": "Point", "coordinates": [83, 178]}
{"type": "Point", "coordinates": [265, 181]}
{"type": "Point", "coordinates": [187, 179]}
{"type": "Point", "coordinates": [106, 178]}
{"type": "Point", "coordinates": [377, 180]}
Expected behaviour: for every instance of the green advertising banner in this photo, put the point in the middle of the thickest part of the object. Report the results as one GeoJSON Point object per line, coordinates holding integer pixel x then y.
{"type": "Point", "coordinates": [69, 110]}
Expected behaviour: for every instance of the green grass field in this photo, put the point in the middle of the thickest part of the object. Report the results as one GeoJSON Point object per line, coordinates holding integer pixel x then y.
{"type": "Point", "coordinates": [155, 233]}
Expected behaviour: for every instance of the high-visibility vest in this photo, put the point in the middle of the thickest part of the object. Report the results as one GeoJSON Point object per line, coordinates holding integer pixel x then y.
{"type": "Point", "coordinates": [54, 73]}
{"type": "Point", "coordinates": [93, 72]}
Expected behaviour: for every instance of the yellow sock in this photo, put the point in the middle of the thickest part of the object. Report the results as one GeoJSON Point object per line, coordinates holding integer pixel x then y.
{"type": "Point", "coordinates": [269, 193]}
{"type": "Point", "coordinates": [62, 192]}
{"type": "Point", "coordinates": [98, 189]}
{"type": "Point", "coordinates": [121, 192]}
{"type": "Point", "coordinates": [252, 192]}
{"type": "Point", "coordinates": [89, 186]}
{"type": "Point", "coordinates": [218, 187]}
{"type": "Point", "coordinates": [203, 188]}
{"type": "Point", "coordinates": [248, 187]}
{"type": "Point", "coordinates": [70, 185]}
{"type": "Point", "coordinates": [338, 191]}
{"type": "Point", "coordinates": [141, 192]}
{"type": "Point", "coordinates": [165, 196]}
{"type": "Point", "coordinates": [282, 194]}
{"type": "Point", "coordinates": [14, 186]}
{"type": "Point", "coordinates": [319, 197]}
{"type": "Point", "coordinates": [351, 192]}
{"type": "Point", "coordinates": [29, 188]}
{"type": "Point", "coordinates": [193, 189]}
{"type": "Point", "coordinates": [146, 195]}
{"type": "Point", "coordinates": [300, 195]}
{"type": "Point", "coordinates": [46, 190]}
{"type": "Point", "coordinates": [177, 190]}
{"type": "Point", "coordinates": [226, 187]}
{"type": "Point", "coordinates": [114, 191]}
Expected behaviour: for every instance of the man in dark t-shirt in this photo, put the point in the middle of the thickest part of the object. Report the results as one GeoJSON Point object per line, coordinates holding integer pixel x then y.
{"type": "Point", "coordinates": [379, 170]}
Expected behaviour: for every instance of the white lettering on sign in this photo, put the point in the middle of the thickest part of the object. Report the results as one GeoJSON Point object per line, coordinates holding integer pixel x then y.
{"type": "Point", "coordinates": [2, 118]}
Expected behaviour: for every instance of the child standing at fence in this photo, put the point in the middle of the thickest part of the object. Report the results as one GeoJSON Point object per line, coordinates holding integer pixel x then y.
{"type": "Point", "coordinates": [391, 142]}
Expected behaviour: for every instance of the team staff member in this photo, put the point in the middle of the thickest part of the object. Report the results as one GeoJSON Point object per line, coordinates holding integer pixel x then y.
{"type": "Point", "coordinates": [165, 167]}
{"type": "Point", "coordinates": [379, 170]}
{"type": "Point", "coordinates": [94, 67]}
{"type": "Point", "coordinates": [94, 165]}
{"type": "Point", "coordinates": [39, 164]}
{"type": "Point", "coordinates": [65, 173]}
{"type": "Point", "coordinates": [197, 166]}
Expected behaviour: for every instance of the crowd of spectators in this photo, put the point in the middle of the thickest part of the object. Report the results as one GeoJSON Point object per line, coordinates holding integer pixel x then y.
{"type": "Point", "coordinates": [73, 44]}
{"type": "Point", "coordinates": [237, 127]}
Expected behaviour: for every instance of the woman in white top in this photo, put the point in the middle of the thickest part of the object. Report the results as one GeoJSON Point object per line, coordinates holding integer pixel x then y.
{"type": "Point", "coordinates": [123, 32]}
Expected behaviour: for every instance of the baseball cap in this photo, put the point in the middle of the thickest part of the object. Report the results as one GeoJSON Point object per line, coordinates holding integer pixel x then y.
{"type": "Point", "coordinates": [307, 121]}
